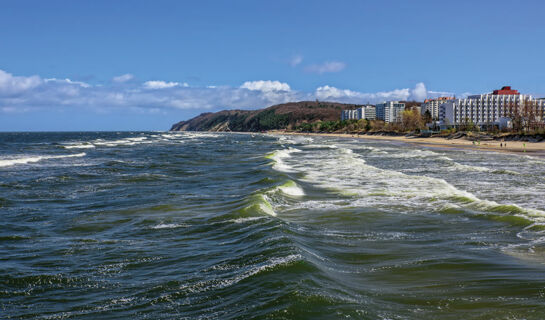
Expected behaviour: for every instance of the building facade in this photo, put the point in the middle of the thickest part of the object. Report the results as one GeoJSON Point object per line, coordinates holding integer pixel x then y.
{"type": "Point", "coordinates": [390, 111]}
{"type": "Point", "coordinates": [488, 109]}
{"type": "Point", "coordinates": [365, 112]}
{"type": "Point", "coordinates": [432, 105]}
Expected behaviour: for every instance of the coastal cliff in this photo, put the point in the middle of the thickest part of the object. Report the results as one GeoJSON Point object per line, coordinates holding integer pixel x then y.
{"type": "Point", "coordinates": [282, 116]}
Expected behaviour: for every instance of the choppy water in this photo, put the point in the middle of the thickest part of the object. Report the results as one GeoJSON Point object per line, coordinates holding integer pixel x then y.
{"type": "Point", "coordinates": [231, 226]}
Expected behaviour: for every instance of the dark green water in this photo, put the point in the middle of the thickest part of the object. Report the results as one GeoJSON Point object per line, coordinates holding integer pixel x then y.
{"type": "Point", "coordinates": [231, 226]}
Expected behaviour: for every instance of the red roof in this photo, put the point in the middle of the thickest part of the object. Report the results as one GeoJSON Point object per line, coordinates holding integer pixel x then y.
{"type": "Point", "coordinates": [505, 90]}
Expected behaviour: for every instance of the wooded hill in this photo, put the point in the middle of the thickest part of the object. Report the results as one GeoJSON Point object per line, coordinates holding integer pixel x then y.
{"type": "Point", "coordinates": [282, 116]}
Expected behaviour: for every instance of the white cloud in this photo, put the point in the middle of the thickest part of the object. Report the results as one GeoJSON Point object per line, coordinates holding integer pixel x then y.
{"type": "Point", "coordinates": [419, 93]}
{"type": "Point", "coordinates": [328, 66]}
{"type": "Point", "coordinates": [349, 96]}
{"type": "Point", "coordinates": [157, 84]}
{"type": "Point", "coordinates": [68, 81]}
{"type": "Point", "coordinates": [327, 92]}
{"type": "Point", "coordinates": [296, 60]}
{"type": "Point", "coordinates": [266, 86]}
{"type": "Point", "coordinates": [26, 94]}
{"type": "Point", "coordinates": [123, 78]}
{"type": "Point", "coordinates": [12, 85]}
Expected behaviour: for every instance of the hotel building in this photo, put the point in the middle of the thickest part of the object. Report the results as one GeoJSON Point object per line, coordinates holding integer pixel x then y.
{"type": "Point", "coordinates": [365, 112]}
{"type": "Point", "coordinates": [390, 111]}
{"type": "Point", "coordinates": [491, 108]}
{"type": "Point", "coordinates": [432, 105]}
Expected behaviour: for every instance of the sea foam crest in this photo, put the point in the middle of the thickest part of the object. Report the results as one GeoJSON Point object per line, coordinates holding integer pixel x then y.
{"type": "Point", "coordinates": [25, 160]}
{"type": "Point", "coordinates": [259, 203]}
{"type": "Point", "coordinates": [350, 175]}
{"type": "Point", "coordinates": [291, 188]}
{"type": "Point", "coordinates": [278, 157]}
{"type": "Point", "coordinates": [169, 226]}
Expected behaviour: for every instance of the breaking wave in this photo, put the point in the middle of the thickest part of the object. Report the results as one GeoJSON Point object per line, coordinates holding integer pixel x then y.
{"type": "Point", "coordinates": [26, 160]}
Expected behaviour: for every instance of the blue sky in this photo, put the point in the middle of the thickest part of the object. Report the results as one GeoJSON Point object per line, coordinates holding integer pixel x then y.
{"type": "Point", "coordinates": [143, 65]}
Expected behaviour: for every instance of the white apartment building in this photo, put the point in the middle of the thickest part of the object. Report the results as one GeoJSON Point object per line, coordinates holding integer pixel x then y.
{"type": "Point", "coordinates": [432, 105]}
{"type": "Point", "coordinates": [490, 108]}
{"type": "Point", "coordinates": [390, 111]}
{"type": "Point", "coordinates": [365, 112]}
{"type": "Point", "coordinates": [349, 114]}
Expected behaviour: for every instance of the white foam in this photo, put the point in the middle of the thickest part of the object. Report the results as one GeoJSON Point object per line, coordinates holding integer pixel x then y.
{"type": "Point", "coordinates": [79, 146]}
{"type": "Point", "coordinates": [464, 167]}
{"type": "Point", "coordinates": [25, 160]}
{"type": "Point", "coordinates": [348, 174]}
{"type": "Point", "coordinates": [137, 139]}
{"type": "Point", "coordinates": [278, 157]}
{"type": "Point", "coordinates": [119, 142]}
{"type": "Point", "coordinates": [169, 226]}
{"type": "Point", "coordinates": [247, 219]}
{"type": "Point", "coordinates": [266, 206]}
{"type": "Point", "coordinates": [292, 189]}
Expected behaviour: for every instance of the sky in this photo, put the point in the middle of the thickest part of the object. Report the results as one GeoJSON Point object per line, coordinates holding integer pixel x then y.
{"type": "Point", "coordinates": [144, 65]}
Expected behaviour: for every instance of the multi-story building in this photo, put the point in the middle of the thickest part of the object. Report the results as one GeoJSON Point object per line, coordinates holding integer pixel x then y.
{"type": "Point", "coordinates": [349, 114]}
{"type": "Point", "coordinates": [365, 112]}
{"type": "Point", "coordinates": [489, 109]}
{"type": "Point", "coordinates": [368, 112]}
{"type": "Point", "coordinates": [432, 105]}
{"type": "Point", "coordinates": [390, 111]}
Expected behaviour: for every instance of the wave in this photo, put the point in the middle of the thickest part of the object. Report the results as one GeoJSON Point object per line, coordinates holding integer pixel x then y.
{"type": "Point", "coordinates": [25, 160]}
{"type": "Point", "coordinates": [349, 175]}
{"type": "Point", "coordinates": [246, 219]}
{"type": "Point", "coordinates": [414, 153]}
{"type": "Point", "coordinates": [259, 203]}
{"type": "Point", "coordinates": [291, 188]}
{"type": "Point", "coordinates": [268, 265]}
{"type": "Point", "coordinates": [121, 142]}
{"type": "Point", "coordinates": [79, 146]}
{"type": "Point", "coordinates": [169, 226]}
{"type": "Point", "coordinates": [278, 157]}
{"type": "Point", "coordinates": [464, 167]}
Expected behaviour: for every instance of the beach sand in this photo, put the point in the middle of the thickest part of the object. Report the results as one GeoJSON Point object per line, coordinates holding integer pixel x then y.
{"type": "Point", "coordinates": [519, 147]}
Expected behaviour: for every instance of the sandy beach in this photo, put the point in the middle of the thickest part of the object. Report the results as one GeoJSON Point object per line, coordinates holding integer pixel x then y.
{"type": "Point", "coordinates": [519, 147]}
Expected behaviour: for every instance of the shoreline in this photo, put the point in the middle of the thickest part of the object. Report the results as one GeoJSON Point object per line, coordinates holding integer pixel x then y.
{"type": "Point", "coordinates": [512, 147]}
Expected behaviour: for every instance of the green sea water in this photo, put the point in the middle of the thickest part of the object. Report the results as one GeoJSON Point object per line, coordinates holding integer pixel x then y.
{"type": "Point", "coordinates": [164, 225]}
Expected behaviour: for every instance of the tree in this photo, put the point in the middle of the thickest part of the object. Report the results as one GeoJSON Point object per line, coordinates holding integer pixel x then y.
{"type": "Point", "coordinates": [411, 120]}
{"type": "Point", "coordinates": [427, 117]}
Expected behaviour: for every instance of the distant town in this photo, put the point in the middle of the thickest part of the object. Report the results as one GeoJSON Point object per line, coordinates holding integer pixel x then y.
{"type": "Point", "coordinates": [498, 114]}
{"type": "Point", "coordinates": [505, 109]}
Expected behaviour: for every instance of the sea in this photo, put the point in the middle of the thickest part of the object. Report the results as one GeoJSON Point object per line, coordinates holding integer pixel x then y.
{"type": "Point", "coordinates": [189, 225]}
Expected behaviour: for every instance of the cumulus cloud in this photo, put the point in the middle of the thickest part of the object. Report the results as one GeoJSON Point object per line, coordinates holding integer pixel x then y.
{"type": "Point", "coordinates": [157, 84]}
{"type": "Point", "coordinates": [25, 94]}
{"type": "Point", "coordinates": [327, 92]}
{"type": "Point", "coordinates": [328, 66]}
{"type": "Point", "coordinates": [11, 85]}
{"type": "Point", "coordinates": [349, 96]}
{"type": "Point", "coordinates": [123, 78]}
{"type": "Point", "coordinates": [419, 93]}
{"type": "Point", "coordinates": [266, 85]}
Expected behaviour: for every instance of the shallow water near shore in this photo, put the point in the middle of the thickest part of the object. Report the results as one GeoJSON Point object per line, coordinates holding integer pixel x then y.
{"type": "Point", "coordinates": [166, 225]}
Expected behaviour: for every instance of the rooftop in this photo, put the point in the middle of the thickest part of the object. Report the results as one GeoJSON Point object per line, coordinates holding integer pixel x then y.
{"type": "Point", "coordinates": [505, 90]}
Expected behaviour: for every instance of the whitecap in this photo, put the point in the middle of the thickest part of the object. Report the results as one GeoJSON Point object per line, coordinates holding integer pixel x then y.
{"type": "Point", "coordinates": [278, 157]}
{"type": "Point", "coordinates": [169, 226]}
{"type": "Point", "coordinates": [25, 160]}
